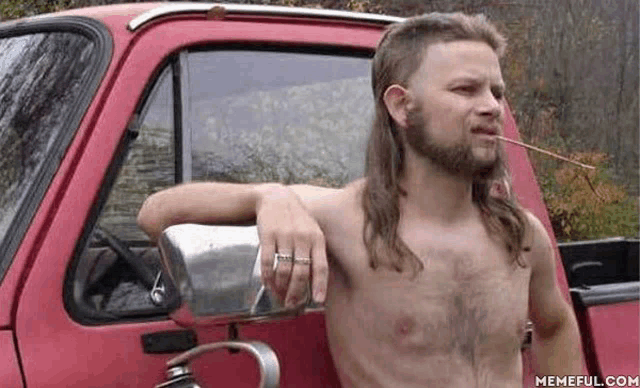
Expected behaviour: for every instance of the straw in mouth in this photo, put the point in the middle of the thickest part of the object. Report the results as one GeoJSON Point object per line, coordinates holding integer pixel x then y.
{"type": "Point", "coordinates": [545, 152]}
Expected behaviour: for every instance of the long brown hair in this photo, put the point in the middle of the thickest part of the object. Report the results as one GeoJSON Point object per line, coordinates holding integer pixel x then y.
{"type": "Point", "coordinates": [398, 56]}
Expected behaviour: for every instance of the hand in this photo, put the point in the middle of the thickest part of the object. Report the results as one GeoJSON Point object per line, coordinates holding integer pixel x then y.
{"type": "Point", "coordinates": [286, 227]}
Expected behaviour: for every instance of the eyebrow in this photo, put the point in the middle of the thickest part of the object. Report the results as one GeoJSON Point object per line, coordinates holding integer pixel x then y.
{"type": "Point", "coordinates": [477, 80]}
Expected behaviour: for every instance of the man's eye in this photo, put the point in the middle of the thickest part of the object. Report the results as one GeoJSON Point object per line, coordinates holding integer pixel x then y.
{"type": "Point", "coordinates": [498, 94]}
{"type": "Point", "coordinates": [465, 89]}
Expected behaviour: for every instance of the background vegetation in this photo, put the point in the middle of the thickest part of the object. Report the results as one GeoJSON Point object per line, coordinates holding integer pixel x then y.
{"type": "Point", "coordinates": [572, 71]}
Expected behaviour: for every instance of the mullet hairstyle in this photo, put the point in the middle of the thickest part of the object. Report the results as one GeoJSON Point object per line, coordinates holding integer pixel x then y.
{"type": "Point", "coordinates": [400, 53]}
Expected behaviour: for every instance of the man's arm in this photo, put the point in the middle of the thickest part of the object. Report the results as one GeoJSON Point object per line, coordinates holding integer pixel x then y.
{"type": "Point", "coordinates": [557, 339]}
{"type": "Point", "coordinates": [206, 203]}
{"type": "Point", "coordinates": [283, 214]}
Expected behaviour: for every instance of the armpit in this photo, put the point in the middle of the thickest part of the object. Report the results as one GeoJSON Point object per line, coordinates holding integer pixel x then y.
{"type": "Point", "coordinates": [338, 272]}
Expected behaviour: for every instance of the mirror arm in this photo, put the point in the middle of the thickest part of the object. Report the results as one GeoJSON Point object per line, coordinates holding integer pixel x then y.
{"type": "Point", "coordinates": [266, 357]}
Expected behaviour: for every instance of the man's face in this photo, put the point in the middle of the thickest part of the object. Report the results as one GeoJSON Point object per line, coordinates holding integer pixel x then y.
{"type": "Point", "coordinates": [457, 107]}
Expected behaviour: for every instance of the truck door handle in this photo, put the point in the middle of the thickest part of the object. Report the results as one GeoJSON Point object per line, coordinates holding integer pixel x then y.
{"type": "Point", "coordinates": [585, 264]}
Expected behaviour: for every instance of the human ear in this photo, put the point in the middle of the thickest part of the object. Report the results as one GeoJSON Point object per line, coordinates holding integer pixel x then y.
{"type": "Point", "coordinates": [396, 99]}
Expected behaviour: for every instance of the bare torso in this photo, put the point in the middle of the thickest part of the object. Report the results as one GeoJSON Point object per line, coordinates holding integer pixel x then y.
{"type": "Point", "coordinates": [459, 323]}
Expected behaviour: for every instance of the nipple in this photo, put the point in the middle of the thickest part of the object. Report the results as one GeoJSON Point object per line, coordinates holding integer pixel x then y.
{"type": "Point", "coordinates": [404, 326]}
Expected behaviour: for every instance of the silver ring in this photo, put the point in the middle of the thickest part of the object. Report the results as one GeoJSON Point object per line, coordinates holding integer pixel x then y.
{"type": "Point", "coordinates": [302, 260]}
{"type": "Point", "coordinates": [284, 258]}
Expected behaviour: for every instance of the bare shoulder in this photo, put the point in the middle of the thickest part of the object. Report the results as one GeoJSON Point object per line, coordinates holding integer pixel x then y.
{"type": "Point", "coordinates": [314, 196]}
{"type": "Point", "coordinates": [345, 208]}
{"type": "Point", "coordinates": [538, 240]}
{"type": "Point", "coordinates": [332, 208]}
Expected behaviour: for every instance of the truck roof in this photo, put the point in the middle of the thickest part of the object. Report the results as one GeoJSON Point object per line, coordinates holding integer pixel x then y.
{"type": "Point", "coordinates": [136, 15]}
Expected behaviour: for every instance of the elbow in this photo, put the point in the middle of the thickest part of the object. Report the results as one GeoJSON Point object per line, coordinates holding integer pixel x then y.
{"type": "Point", "coordinates": [565, 322]}
{"type": "Point", "coordinates": [150, 217]}
{"type": "Point", "coordinates": [549, 331]}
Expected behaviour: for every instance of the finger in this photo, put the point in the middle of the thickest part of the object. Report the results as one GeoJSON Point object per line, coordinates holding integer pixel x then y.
{"type": "Point", "coordinates": [299, 283]}
{"type": "Point", "coordinates": [320, 269]}
{"type": "Point", "coordinates": [267, 252]}
{"type": "Point", "coordinates": [284, 246]}
{"type": "Point", "coordinates": [282, 275]}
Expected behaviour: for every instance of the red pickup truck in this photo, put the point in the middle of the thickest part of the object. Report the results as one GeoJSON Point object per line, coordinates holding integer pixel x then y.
{"type": "Point", "coordinates": [101, 107]}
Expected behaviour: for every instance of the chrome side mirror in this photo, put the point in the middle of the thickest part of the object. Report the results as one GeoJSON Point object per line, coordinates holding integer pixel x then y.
{"type": "Point", "coordinates": [216, 270]}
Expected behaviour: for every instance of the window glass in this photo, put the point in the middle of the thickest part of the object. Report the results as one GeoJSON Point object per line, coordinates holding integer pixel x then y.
{"type": "Point", "coordinates": [42, 76]}
{"type": "Point", "coordinates": [259, 116]}
{"type": "Point", "coordinates": [149, 166]}
{"type": "Point", "coordinates": [253, 116]}
{"type": "Point", "coordinates": [115, 272]}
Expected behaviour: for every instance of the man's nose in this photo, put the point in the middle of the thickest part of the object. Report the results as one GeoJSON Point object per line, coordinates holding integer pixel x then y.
{"type": "Point", "coordinates": [490, 106]}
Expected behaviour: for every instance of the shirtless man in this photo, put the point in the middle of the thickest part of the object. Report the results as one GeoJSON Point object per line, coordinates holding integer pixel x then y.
{"type": "Point", "coordinates": [431, 274]}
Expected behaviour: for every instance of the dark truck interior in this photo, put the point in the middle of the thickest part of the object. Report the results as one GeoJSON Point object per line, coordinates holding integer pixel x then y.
{"type": "Point", "coordinates": [602, 271]}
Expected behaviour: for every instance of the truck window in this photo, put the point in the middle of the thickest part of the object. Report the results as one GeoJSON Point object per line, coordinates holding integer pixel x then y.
{"type": "Point", "coordinates": [43, 77]}
{"type": "Point", "coordinates": [243, 116]}
{"type": "Point", "coordinates": [149, 164]}
{"type": "Point", "coordinates": [106, 287]}
{"type": "Point", "coordinates": [291, 117]}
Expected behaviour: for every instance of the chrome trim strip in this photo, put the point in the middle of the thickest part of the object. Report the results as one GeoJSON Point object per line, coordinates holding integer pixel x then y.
{"type": "Point", "coordinates": [186, 127]}
{"type": "Point", "coordinates": [175, 8]}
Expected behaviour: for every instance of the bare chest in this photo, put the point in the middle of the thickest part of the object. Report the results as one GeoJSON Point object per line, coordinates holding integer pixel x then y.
{"type": "Point", "coordinates": [469, 302]}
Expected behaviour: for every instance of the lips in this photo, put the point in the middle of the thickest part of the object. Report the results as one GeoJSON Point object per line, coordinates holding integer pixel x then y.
{"type": "Point", "coordinates": [491, 131]}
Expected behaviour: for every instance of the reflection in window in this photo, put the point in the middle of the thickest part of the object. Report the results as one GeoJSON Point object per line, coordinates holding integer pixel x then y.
{"type": "Point", "coordinates": [41, 78]}
{"type": "Point", "coordinates": [272, 116]}
{"type": "Point", "coordinates": [104, 281]}
{"type": "Point", "coordinates": [149, 167]}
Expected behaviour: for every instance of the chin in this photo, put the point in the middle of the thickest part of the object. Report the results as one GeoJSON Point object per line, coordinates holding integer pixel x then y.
{"type": "Point", "coordinates": [485, 167]}
{"type": "Point", "coordinates": [485, 157]}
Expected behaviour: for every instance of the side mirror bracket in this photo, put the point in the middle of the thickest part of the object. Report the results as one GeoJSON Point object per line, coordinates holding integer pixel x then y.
{"type": "Point", "coordinates": [179, 374]}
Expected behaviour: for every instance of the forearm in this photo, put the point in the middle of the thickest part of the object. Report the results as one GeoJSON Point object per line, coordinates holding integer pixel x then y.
{"type": "Point", "coordinates": [558, 352]}
{"type": "Point", "coordinates": [202, 202]}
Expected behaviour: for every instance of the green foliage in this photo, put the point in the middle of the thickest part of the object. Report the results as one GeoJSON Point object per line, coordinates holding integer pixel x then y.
{"type": "Point", "coordinates": [14, 9]}
{"type": "Point", "coordinates": [584, 204]}
{"type": "Point", "coordinates": [10, 9]}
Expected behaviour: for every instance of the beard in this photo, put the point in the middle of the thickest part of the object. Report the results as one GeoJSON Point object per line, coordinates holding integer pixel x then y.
{"type": "Point", "coordinates": [457, 159]}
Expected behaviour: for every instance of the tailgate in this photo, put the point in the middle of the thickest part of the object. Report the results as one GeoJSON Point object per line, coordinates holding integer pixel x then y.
{"type": "Point", "coordinates": [605, 288]}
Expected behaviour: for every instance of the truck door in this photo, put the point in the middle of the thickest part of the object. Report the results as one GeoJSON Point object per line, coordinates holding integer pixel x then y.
{"type": "Point", "coordinates": [240, 100]}
{"type": "Point", "coordinates": [48, 73]}
{"type": "Point", "coordinates": [9, 367]}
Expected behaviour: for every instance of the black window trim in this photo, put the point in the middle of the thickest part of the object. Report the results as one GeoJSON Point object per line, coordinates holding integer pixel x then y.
{"type": "Point", "coordinates": [177, 118]}
{"type": "Point", "coordinates": [302, 48]}
{"type": "Point", "coordinates": [100, 36]}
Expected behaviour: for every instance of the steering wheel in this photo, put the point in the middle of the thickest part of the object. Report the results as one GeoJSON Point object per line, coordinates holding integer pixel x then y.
{"type": "Point", "coordinates": [146, 275]}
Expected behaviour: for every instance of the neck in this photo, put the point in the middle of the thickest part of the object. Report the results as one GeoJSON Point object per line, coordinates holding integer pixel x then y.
{"type": "Point", "coordinates": [434, 194]}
